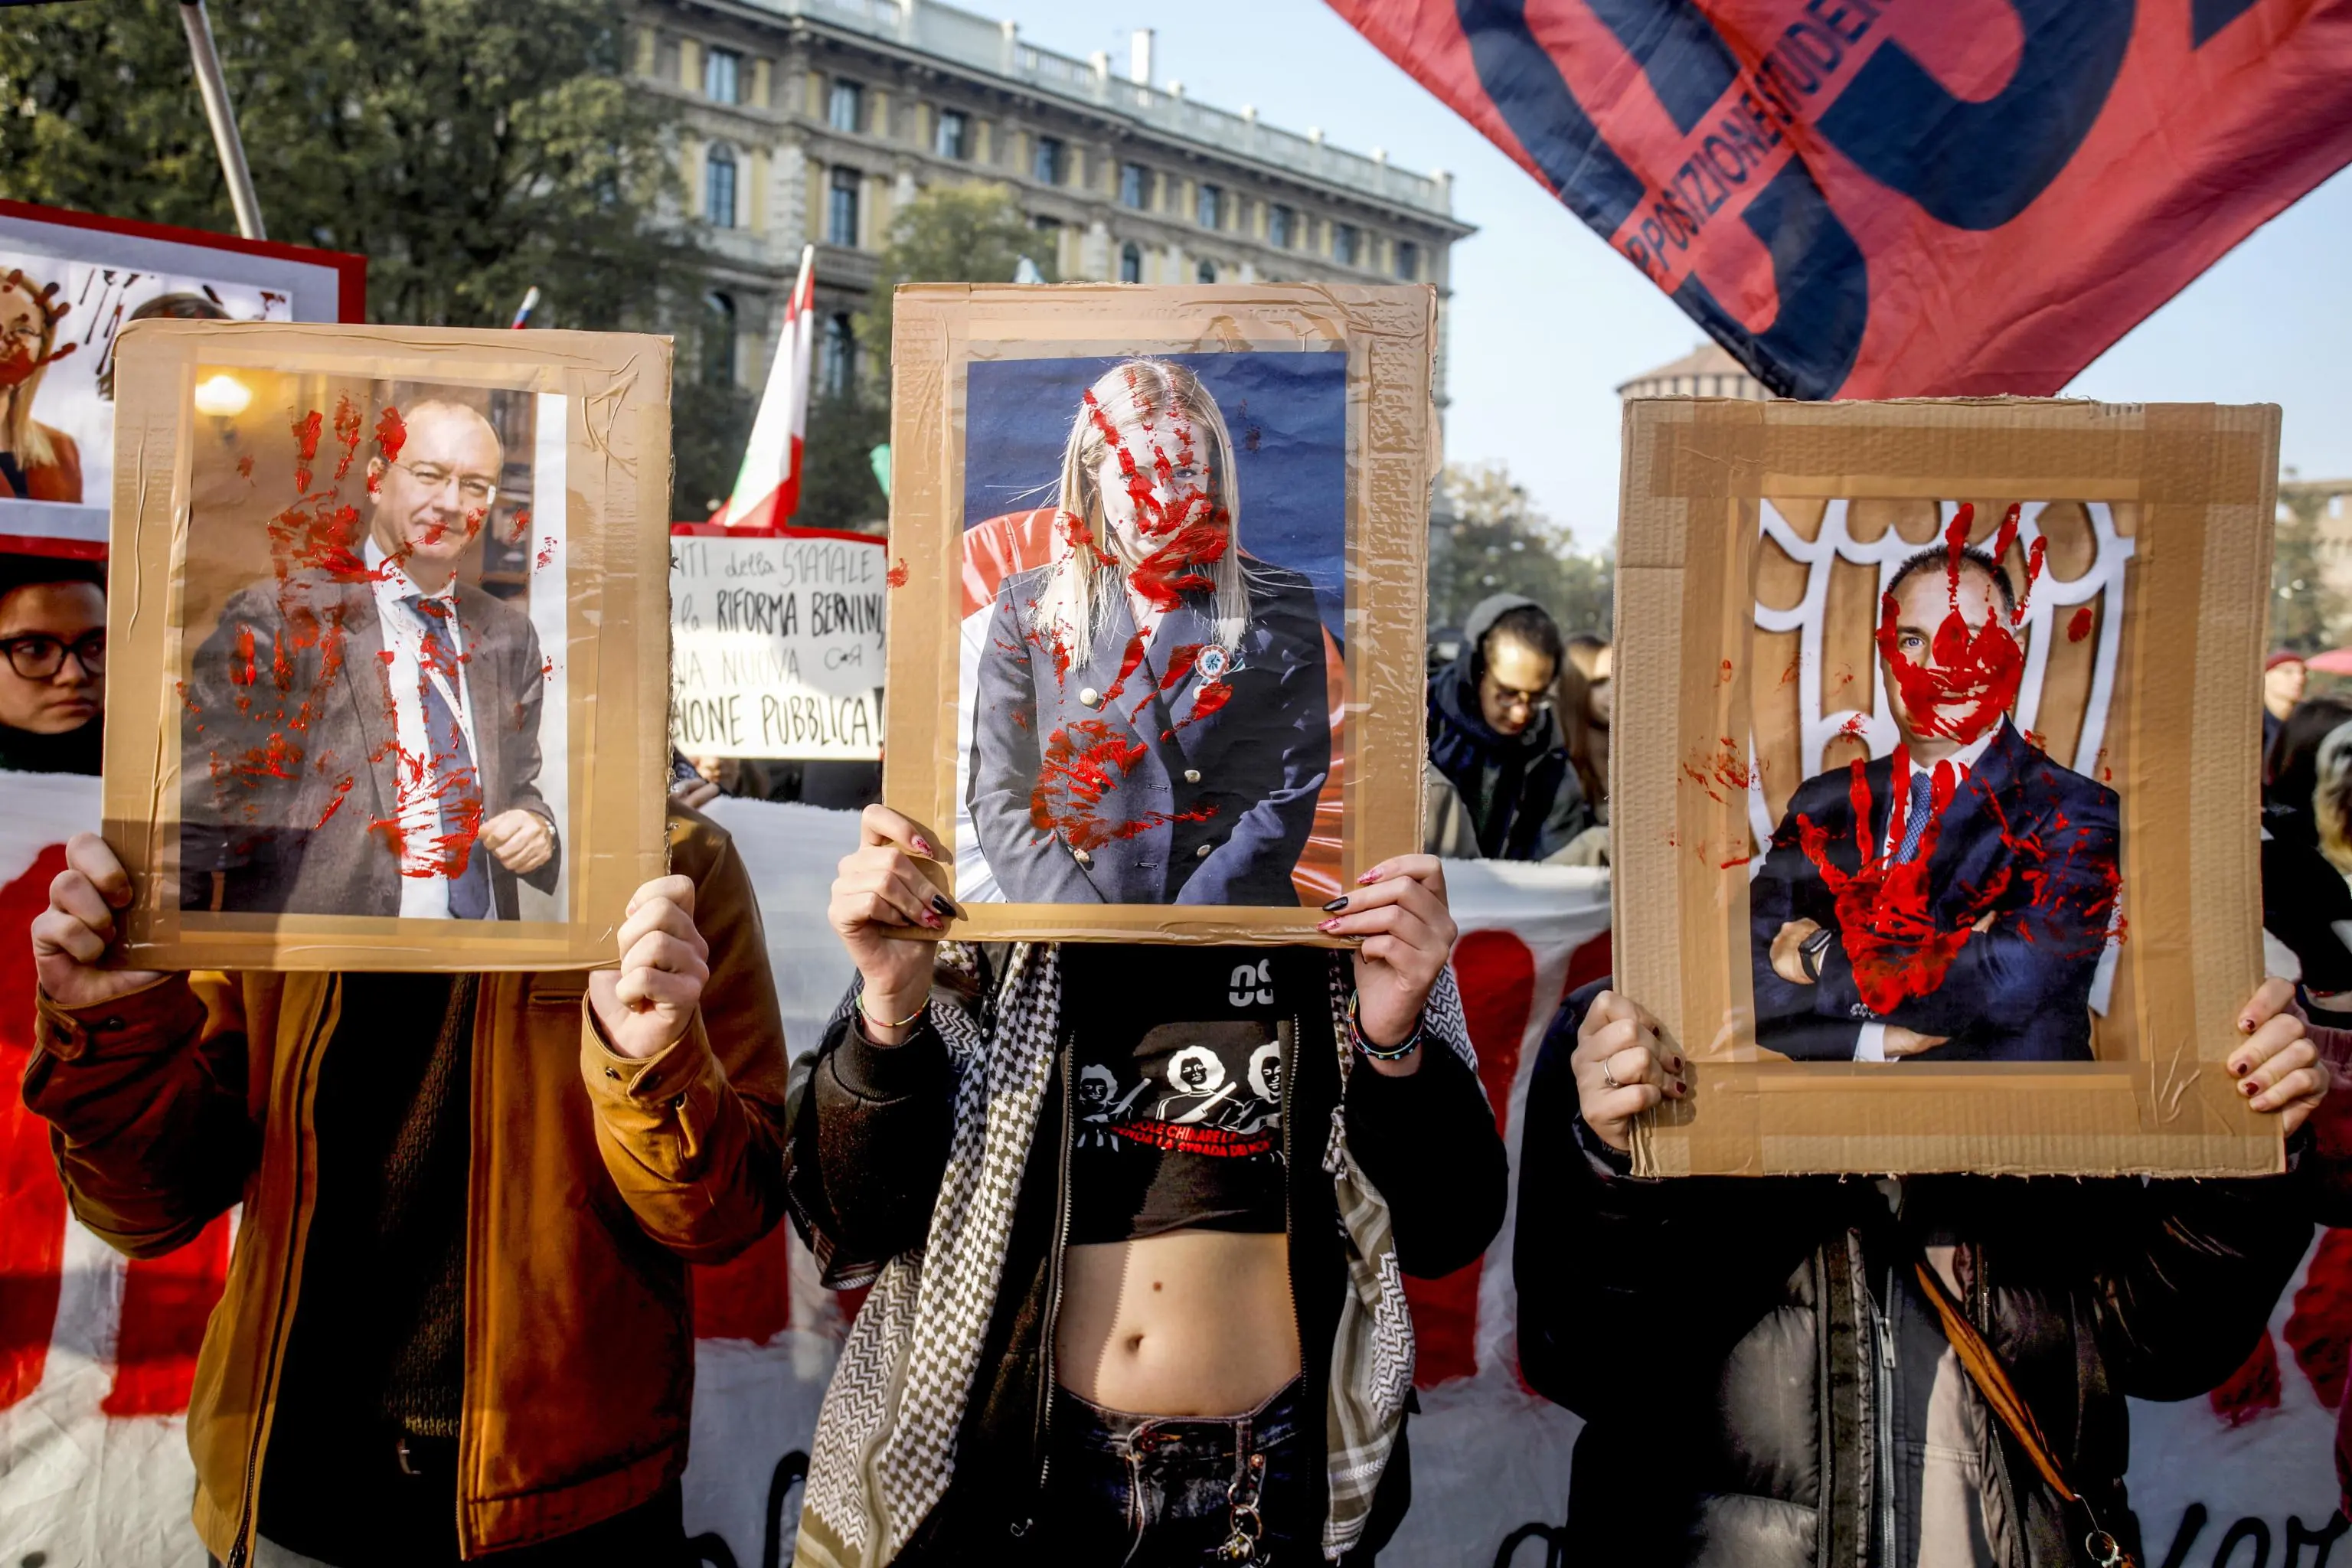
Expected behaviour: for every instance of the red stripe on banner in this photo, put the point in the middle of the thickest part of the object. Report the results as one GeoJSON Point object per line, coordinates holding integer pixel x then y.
{"type": "Point", "coordinates": [748, 1297]}
{"type": "Point", "coordinates": [1594, 961]}
{"type": "Point", "coordinates": [1498, 975]}
{"type": "Point", "coordinates": [166, 1301]}
{"type": "Point", "coordinates": [32, 1203]}
{"type": "Point", "coordinates": [2319, 1328]}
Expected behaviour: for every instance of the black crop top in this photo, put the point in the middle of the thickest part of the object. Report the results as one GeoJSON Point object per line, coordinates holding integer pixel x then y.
{"type": "Point", "coordinates": [1178, 1057]}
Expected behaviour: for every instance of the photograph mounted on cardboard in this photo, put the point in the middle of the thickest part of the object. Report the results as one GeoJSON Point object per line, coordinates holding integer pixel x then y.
{"type": "Point", "coordinates": [1947, 860]}
{"type": "Point", "coordinates": [1161, 546]}
{"type": "Point", "coordinates": [380, 574]}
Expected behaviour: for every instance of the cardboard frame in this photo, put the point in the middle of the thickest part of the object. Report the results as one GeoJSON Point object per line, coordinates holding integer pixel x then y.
{"type": "Point", "coordinates": [616, 483]}
{"type": "Point", "coordinates": [2182, 744]}
{"type": "Point", "coordinates": [1387, 334]}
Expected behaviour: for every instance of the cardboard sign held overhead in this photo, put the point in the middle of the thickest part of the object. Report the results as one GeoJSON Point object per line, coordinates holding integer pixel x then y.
{"type": "Point", "coordinates": [1156, 634]}
{"type": "Point", "coordinates": [1942, 855]}
{"type": "Point", "coordinates": [386, 610]}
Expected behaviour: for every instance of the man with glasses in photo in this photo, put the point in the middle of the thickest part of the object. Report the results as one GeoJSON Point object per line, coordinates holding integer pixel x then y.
{"type": "Point", "coordinates": [366, 742]}
{"type": "Point", "coordinates": [52, 664]}
{"type": "Point", "coordinates": [1500, 783]}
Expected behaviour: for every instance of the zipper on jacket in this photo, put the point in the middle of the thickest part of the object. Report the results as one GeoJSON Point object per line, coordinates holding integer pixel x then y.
{"type": "Point", "coordinates": [1289, 1234]}
{"type": "Point", "coordinates": [240, 1549]}
{"type": "Point", "coordinates": [1069, 1054]}
{"type": "Point", "coordinates": [1883, 1416]}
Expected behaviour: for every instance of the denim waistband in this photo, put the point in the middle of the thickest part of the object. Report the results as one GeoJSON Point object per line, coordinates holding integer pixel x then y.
{"type": "Point", "coordinates": [1087, 1425]}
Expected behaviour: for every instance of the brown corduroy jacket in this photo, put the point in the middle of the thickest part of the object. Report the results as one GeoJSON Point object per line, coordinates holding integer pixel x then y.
{"type": "Point", "coordinates": [584, 1205]}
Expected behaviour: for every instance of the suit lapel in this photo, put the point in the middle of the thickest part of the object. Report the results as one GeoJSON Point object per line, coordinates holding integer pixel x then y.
{"type": "Point", "coordinates": [366, 686]}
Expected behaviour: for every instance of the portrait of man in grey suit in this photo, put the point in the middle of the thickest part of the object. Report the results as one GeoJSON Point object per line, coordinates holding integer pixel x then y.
{"type": "Point", "coordinates": [363, 722]}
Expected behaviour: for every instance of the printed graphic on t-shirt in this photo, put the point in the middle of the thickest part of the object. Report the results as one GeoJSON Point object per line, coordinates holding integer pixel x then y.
{"type": "Point", "coordinates": [1201, 1087]}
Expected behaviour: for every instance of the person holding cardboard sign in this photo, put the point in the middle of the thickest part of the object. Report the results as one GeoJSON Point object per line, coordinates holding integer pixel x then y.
{"type": "Point", "coordinates": [1954, 897]}
{"type": "Point", "coordinates": [1134, 1337]}
{"type": "Point", "coordinates": [1764, 1364]}
{"type": "Point", "coordinates": [1152, 724]}
{"type": "Point", "coordinates": [444, 1234]}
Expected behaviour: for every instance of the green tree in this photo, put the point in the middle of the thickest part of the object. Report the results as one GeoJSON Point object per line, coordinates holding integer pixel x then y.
{"type": "Point", "coordinates": [2306, 613]}
{"type": "Point", "coordinates": [1493, 540]}
{"type": "Point", "coordinates": [948, 234]}
{"type": "Point", "coordinates": [469, 149]}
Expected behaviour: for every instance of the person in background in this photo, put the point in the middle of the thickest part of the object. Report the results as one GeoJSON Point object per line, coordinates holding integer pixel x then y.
{"type": "Point", "coordinates": [2284, 676]}
{"type": "Point", "coordinates": [1761, 1364]}
{"type": "Point", "coordinates": [712, 777]}
{"type": "Point", "coordinates": [1501, 783]}
{"type": "Point", "coordinates": [1587, 698]}
{"type": "Point", "coordinates": [464, 1197]}
{"type": "Point", "coordinates": [52, 664]}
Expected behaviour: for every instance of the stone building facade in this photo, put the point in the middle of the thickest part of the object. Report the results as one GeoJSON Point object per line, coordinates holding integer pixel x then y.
{"type": "Point", "coordinates": [814, 120]}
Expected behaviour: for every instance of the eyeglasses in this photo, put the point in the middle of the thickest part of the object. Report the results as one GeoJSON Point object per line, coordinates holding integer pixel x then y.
{"type": "Point", "coordinates": [1533, 702]}
{"type": "Point", "coordinates": [476, 489]}
{"type": "Point", "coordinates": [39, 657]}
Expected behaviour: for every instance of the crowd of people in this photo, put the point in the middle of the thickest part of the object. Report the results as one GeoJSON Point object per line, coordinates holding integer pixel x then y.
{"type": "Point", "coordinates": [1133, 1219]}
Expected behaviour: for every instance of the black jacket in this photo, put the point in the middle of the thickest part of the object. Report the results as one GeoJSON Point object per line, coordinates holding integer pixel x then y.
{"type": "Point", "coordinates": [1714, 1334]}
{"type": "Point", "coordinates": [870, 1131]}
{"type": "Point", "coordinates": [2030, 843]}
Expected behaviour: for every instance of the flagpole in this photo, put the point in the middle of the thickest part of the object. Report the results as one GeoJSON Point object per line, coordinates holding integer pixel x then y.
{"type": "Point", "coordinates": [225, 140]}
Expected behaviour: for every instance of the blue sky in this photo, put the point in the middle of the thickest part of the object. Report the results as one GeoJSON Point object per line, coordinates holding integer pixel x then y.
{"type": "Point", "coordinates": [1546, 321]}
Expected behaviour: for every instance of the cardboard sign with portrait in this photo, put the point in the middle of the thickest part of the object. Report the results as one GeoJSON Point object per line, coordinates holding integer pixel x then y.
{"type": "Point", "coordinates": [1155, 641]}
{"type": "Point", "coordinates": [387, 611]}
{"type": "Point", "coordinates": [1944, 852]}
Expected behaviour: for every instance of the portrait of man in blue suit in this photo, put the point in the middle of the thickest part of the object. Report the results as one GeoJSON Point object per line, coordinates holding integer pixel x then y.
{"type": "Point", "coordinates": [1951, 901]}
{"type": "Point", "coordinates": [1151, 720]}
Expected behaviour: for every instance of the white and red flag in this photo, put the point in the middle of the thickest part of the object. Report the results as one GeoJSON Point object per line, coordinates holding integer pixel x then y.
{"type": "Point", "coordinates": [768, 488]}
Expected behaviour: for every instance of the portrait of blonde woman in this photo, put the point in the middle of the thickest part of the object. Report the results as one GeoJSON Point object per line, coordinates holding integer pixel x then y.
{"type": "Point", "coordinates": [37, 462]}
{"type": "Point", "coordinates": [1149, 720]}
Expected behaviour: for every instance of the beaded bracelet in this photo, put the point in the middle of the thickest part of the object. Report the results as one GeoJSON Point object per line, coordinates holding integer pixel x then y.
{"type": "Point", "coordinates": [868, 1014]}
{"type": "Point", "coordinates": [1395, 1053]}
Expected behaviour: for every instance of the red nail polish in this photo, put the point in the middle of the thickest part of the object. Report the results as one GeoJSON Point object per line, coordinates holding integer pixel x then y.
{"type": "Point", "coordinates": [922, 845]}
{"type": "Point", "coordinates": [2245, 1025]}
{"type": "Point", "coordinates": [2238, 1069]}
{"type": "Point", "coordinates": [1368, 879]}
{"type": "Point", "coordinates": [2250, 1088]}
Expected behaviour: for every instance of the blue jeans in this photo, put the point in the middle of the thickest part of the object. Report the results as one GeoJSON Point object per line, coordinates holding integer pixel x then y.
{"type": "Point", "coordinates": [1157, 1491]}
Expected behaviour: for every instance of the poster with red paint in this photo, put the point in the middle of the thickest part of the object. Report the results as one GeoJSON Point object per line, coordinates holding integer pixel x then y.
{"type": "Point", "coordinates": [69, 283]}
{"type": "Point", "coordinates": [1957, 818]}
{"type": "Point", "coordinates": [394, 586]}
{"type": "Point", "coordinates": [1864, 199]}
{"type": "Point", "coordinates": [1140, 575]}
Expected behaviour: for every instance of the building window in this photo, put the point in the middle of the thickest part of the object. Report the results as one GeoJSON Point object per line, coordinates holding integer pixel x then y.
{"type": "Point", "coordinates": [1408, 260]}
{"type": "Point", "coordinates": [668, 61]}
{"type": "Point", "coordinates": [953, 137]}
{"type": "Point", "coordinates": [846, 112]}
{"type": "Point", "coordinates": [722, 75]}
{"type": "Point", "coordinates": [1347, 244]}
{"type": "Point", "coordinates": [1210, 209]}
{"type": "Point", "coordinates": [1045, 162]}
{"type": "Point", "coordinates": [841, 208]}
{"type": "Point", "coordinates": [1134, 179]}
{"type": "Point", "coordinates": [1130, 263]}
{"type": "Point", "coordinates": [838, 366]}
{"type": "Point", "coordinates": [719, 340]}
{"type": "Point", "coordinates": [1206, 272]}
{"type": "Point", "coordinates": [1278, 227]}
{"type": "Point", "coordinates": [719, 186]}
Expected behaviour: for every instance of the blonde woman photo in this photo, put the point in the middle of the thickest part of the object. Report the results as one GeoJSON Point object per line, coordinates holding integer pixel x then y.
{"type": "Point", "coordinates": [1151, 724]}
{"type": "Point", "coordinates": [37, 462]}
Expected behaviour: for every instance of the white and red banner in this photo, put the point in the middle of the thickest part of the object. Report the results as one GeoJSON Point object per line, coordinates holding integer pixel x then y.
{"type": "Point", "coordinates": [768, 485]}
{"type": "Point", "coordinates": [97, 1352]}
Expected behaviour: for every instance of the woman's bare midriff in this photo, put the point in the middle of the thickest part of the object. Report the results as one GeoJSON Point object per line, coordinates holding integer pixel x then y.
{"type": "Point", "coordinates": [1194, 1322]}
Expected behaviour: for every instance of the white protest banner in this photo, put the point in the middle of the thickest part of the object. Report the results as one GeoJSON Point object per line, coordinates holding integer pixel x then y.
{"type": "Point", "coordinates": [776, 644]}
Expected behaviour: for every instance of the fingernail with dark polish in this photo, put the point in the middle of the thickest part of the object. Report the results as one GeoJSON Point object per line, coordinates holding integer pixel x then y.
{"type": "Point", "coordinates": [1368, 879]}
{"type": "Point", "coordinates": [2250, 1088]}
{"type": "Point", "coordinates": [940, 902]}
{"type": "Point", "coordinates": [1675, 1065]}
{"type": "Point", "coordinates": [922, 845]}
{"type": "Point", "coordinates": [2245, 1025]}
{"type": "Point", "coordinates": [2238, 1069]}
{"type": "Point", "coordinates": [1336, 905]}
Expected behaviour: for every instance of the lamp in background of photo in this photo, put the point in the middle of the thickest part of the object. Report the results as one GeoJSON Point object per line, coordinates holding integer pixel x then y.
{"type": "Point", "coordinates": [221, 397]}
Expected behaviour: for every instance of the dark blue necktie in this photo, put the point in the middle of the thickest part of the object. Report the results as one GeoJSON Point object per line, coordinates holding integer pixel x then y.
{"type": "Point", "coordinates": [1914, 818]}
{"type": "Point", "coordinates": [458, 782]}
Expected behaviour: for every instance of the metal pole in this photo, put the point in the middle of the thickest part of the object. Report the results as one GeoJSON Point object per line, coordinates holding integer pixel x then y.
{"type": "Point", "coordinates": [226, 140]}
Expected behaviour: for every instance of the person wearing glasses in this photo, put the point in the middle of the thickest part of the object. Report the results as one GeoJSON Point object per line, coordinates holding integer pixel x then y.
{"type": "Point", "coordinates": [52, 664]}
{"type": "Point", "coordinates": [366, 742]}
{"type": "Point", "coordinates": [1500, 783]}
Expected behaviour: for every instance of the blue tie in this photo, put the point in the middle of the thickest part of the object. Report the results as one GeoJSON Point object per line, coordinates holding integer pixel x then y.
{"type": "Point", "coordinates": [452, 763]}
{"type": "Point", "coordinates": [1914, 818]}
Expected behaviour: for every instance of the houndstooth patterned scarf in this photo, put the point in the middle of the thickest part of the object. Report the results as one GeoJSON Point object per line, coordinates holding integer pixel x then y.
{"type": "Point", "coordinates": [885, 1448]}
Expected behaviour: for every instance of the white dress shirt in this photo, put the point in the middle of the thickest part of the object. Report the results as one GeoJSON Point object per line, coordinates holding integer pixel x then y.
{"type": "Point", "coordinates": [1871, 1044]}
{"type": "Point", "coordinates": [423, 884]}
